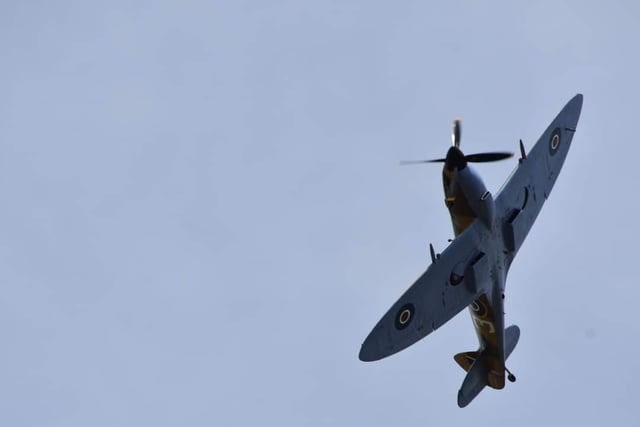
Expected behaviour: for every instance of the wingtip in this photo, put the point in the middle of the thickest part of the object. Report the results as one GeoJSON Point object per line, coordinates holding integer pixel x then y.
{"type": "Point", "coordinates": [361, 356]}
{"type": "Point", "coordinates": [578, 100]}
{"type": "Point", "coordinates": [366, 355]}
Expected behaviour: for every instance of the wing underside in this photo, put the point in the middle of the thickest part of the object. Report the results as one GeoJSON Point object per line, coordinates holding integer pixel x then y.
{"type": "Point", "coordinates": [431, 301]}
{"type": "Point", "coordinates": [521, 198]}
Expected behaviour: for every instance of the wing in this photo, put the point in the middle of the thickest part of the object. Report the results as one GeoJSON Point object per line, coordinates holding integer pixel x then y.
{"type": "Point", "coordinates": [432, 300]}
{"type": "Point", "coordinates": [521, 198]}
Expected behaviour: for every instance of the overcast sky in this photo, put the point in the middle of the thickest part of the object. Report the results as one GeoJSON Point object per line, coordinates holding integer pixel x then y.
{"type": "Point", "coordinates": [202, 216]}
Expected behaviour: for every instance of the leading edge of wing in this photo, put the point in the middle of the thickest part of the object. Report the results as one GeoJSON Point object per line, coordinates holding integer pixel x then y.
{"type": "Point", "coordinates": [524, 193]}
{"type": "Point", "coordinates": [430, 302]}
{"type": "Point", "coordinates": [567, 121]}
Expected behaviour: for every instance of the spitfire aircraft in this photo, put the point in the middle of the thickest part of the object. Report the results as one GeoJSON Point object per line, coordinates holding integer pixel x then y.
{"type": "Point", "coordinates": [472, 270]}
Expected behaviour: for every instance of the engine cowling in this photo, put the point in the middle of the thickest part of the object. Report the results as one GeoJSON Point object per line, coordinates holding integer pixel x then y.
{"type": "Point", "coordinates": [479, 198]}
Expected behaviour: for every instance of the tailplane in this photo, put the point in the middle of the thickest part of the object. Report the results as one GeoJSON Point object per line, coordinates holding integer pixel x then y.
{"type": "Point", "coordinates": [473, 383]}
{"type": "Point", "coordinates": [511, 337]}
{"type": "Point", "coordinates": [475, 363]}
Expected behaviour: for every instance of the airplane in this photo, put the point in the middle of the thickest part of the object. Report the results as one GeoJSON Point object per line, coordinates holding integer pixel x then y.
{"type": "Point", "coordinates": [472, 270]}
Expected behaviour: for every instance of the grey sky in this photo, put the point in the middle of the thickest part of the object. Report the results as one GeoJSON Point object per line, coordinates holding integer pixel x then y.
{"type": "Point", "coordinates": [201, 214]}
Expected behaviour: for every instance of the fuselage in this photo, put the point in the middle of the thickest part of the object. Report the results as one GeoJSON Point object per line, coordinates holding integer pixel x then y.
{"type": "Point", "coordinates": [467, 200]}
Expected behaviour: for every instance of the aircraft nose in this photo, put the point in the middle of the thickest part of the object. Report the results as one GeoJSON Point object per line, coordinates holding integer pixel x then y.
{"type": "Point", "coordinates": [455, 159]}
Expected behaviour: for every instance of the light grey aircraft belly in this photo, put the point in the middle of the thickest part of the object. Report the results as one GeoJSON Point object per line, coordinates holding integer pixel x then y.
{"type": "Point", "coordinates": [472, 270]}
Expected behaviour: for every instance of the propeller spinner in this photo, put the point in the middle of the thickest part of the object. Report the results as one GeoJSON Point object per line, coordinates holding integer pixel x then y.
{"type": "Point", "coordinates": [455, 157]}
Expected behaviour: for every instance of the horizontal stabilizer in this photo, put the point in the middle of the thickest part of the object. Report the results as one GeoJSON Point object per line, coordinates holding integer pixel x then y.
{"type": "Point", "coordinates": [511, 337]}
{"type": "Point", "coordinates": [473, 383]}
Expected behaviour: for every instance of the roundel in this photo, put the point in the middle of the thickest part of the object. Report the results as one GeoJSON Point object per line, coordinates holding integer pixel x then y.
{"type": "Point", "coordinates": [554, 141]}
{"type": "Point", "coordinates": [404, 316]}
{"type": "Point", "coordinates": [478, 308]}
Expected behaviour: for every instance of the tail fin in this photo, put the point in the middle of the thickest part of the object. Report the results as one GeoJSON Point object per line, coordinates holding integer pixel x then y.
{"type": "Point", "coordinates": [466, 359]}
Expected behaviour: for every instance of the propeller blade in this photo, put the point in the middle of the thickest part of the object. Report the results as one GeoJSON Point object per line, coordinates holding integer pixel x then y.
{"type": "Point", "coordinates": [487, 157]}
{"type": "Point", "coordinates": [416, 162]}
{"type": "Point", "coordinates": [456, 133]}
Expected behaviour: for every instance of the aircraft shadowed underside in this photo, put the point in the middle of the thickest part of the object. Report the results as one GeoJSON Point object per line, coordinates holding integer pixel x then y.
{"type": "Point", "coordinates": [472, 270]}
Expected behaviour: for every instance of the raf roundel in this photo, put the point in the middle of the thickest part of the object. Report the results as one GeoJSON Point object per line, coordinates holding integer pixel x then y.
{"type": "Point", "coordinates": [554, 141]}
{"type": "Point", "coordinates": [478, 308]}
{"type": "Point", "coordinates": [404, 316]}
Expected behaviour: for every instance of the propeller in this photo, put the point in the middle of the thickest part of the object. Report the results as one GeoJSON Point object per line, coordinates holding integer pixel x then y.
{"type": "Point", "coordinates": [456, 133]}
{"type": "Point", "coordinates": [415, 162]}
{"type": "Point", "coordinates": [455, 157]}
{"type": "Point", "coordinates": [488, 157]}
